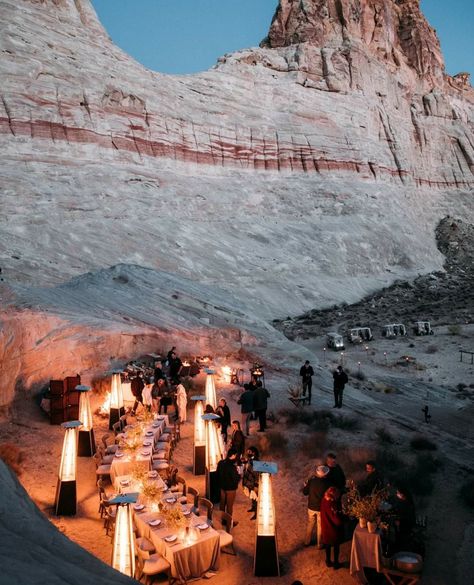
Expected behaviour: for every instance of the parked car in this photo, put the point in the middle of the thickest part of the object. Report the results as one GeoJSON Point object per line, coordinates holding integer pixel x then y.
{"type": "Point", "coordinates": [335, 341]}
{"type": "Point", "coordinates": [394, 330]}
{"type": "Point", "coordinates": [359, 334]}
{"type": "Point", "coordinates": [422, 328]}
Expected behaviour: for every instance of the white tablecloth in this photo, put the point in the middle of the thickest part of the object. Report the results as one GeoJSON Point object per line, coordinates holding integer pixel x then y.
{"type": "Point", "coordinates": [366, 551]}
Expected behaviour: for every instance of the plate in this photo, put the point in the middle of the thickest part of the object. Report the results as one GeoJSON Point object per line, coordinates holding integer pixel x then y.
{"type": "Point", "coordinates": [160, 418]}
{"type": "Point", "coordinates": [149, 434]}
{"type": "Point", "coordinates": [155, 425]}
{"type": "Point", "coordinates": [124, 482]}
{"type": "Point", "coordinates": [138, 507]}
{"type": "Point", "coordinates": [146, 452]}
{"type": "Point", "coordinates": [156, 522]}
{"type": "Point", "coordinates": [118, 454]}
{"type": "Point", "coordinates": [186, 512]}
{"type": "Point", "coordinates": [170, 538]}
{"type": "Point", "coordinates": [202, 526]}
{"type": "Point", "coordinates": [170, 500]}
{"type": "Point", "coordinates": [153, 474]}
{"type": "Point", "coordinates": [146, 443]}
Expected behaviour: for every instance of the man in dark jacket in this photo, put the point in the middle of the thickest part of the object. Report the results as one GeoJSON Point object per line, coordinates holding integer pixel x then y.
{"type": "Point", "coordinates": [336, 476]}
{"type": "Point", "coordinates": [260, 397]}
{"type": "Point", "coordinates": [246, 408]}
{"type": "Point", "coordinates": [340, 380]}
{"type": "Point", "coordinates": [314, 488]}
{"type": "Point", "coordinates": [306, 373]}
{"type": "Point", "coordinates": [136, 386]}
{"type": "Point", "coordinates": [229, 479]}
{"type": "Point", "coordinates": [372, 481]}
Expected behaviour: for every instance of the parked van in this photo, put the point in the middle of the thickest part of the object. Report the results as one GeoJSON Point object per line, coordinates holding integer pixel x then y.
{"type": "Point", "coordinates": [335, 341]}
{"type": "Point", "coordinates": [422, 328]}
{"type": "Point", "coordinates": [359, 334]}
{"type": "Point", "coordinates": [394, 330]}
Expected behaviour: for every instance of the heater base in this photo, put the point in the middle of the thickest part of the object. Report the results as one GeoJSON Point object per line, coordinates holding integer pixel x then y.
{"type": "Point", "coordinates": [86, 443]}
{"type": "Point", "coordinates": [266, 562]}
{"type": "Point", "coordinates": [213, 491]}
{"type": "Point", "coordinates": [65, 504]}
{"type": "Point", "coordinates": [199, 461]}
{"type": "Point", "coordinates": [114, 417]}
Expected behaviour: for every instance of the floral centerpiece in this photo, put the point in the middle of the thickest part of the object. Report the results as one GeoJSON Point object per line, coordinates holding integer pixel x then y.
{"type": "Point", "coordinates": [174, 517]}
{"type": "Point", "coordinates": [152, 492]}
{"type": "Point", "coordinates": [364, 507]}
{"type": "Point", "coordinates": [146, 417]}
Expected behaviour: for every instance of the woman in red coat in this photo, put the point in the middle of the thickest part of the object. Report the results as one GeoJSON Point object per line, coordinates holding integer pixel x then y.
{"type": "Point", "coordinates": [332, 525]}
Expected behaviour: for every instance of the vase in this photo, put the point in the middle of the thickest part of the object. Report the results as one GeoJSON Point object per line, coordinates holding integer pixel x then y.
{"type": "Point", "coordinates": [371, 526]}
{"type": "Point", "coordinates": [362, 522]}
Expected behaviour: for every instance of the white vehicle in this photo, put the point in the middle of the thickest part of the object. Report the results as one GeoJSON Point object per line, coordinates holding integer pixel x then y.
{"type": "Point", "coordinates": [359, 334]}
{"type": "Point", "coordinates": [335, 341]}
{"type": "Point", "coordinates": [422, 328]}
{"type": "Point", "coordinates": [394, 330]}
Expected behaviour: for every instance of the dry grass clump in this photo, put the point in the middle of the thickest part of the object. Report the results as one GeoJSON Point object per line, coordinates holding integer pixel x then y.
{"type": "Point", "coordinates": [421, 443]}
{"type": "Point", "coordinates": [313, 445]}
{"type": "Point", "coordinates": [454, 329]}
{"type": "Point", "coordinates": [384, 437]}
{"type": "Point", "coordinates": [432, 348]}
{"type": "Point", "coordinates": [295, 416]}
{"type": "Point", "coordinates": [320, 420]}
{"type": "Point", "coordinates": [272, 443]}
{"type": "Point", "coordinates": [12, 456]}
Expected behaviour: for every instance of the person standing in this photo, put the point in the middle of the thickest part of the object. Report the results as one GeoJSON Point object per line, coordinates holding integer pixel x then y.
{"type": "Point", "coordinates": [250, 480]}
{"type": "Point", "coordinates": [260, 404]}
{"type": "Point", "coordinates": [336, 476]}
{"type": "Point", "coordinates": [340, 380]}
{"type": "Point", "coordinates": [181, 402]}
{"type": "Point", "coordinates": [314, 488]}
{"type": "Point", "coordinates": [229, 479]}
{"type": "Point", "coordinates": [332, 525]}
{"type": "Point", "coordinates": [237, 440]}
{"type": "Point", "coordinates": [373, 481]}
{"type": "Point", "coordinates": [224, 412]}
{"type": "Point", "coordinates": [246, 408]}
{"type": "Point", "coordinates": [306, 373]}
{"type": "Point", "coordinates": [136, 386]}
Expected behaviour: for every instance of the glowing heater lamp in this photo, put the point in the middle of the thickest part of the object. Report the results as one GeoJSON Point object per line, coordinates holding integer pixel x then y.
{"type": "Point", "coordinates": [123, 546]}
{"type": "Point", "coordinates": [211, 389]}
{"type": "Point", "coordinates": [266, 562]}
{"type": "Point", "coordinates": [117, 408]}
{"type": "Point", "coordinates": [214, 454]}
{"type": "Point", "coordinates": [199, 459]}
{"type": "Point", "coordinates": [65, 502]}
{"type": "Point", "coordinates": [86, 445]}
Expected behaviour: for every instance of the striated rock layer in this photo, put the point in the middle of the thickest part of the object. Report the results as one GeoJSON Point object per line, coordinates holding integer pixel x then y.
{"type": "Point", "coordinates": [308, 171]}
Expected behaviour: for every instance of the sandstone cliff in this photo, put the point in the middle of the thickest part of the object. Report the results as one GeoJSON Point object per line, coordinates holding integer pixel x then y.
{"type": "Point", "coordinates": [310, 170]}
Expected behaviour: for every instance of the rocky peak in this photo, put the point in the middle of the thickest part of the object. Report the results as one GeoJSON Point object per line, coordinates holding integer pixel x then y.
{"type": "Point", "coordinates": [393, 30]}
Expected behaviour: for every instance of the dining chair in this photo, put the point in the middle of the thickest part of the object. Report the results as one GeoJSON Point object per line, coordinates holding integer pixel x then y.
{"type": "Point", "coordinates": [181, 481]}
{"type": "Point", "coordinates": [144, 544]}
{"type": "Point", "coordinates": [123, 421]}
{"type": "Point", "coordinates": [226, 540]}
{"type": "Point", "coordinates": [208, 505]}
{"type": "Point", "coordinates": [109, 449]}
{"type": "Point", "coordinates": [150, 564]}
{"type": "Point", "coordinates": [117, 428]}
{"type": "Point", "coordinates": [105, 459]}
{"type": "Point", "coordinates": [101, 470]}
{"type": "Point", "coordinates": [110, 516]}
{"type": "Point", "coordinates": [194, 494]}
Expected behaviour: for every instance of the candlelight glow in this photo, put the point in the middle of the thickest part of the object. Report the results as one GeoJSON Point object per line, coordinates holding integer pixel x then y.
{"type": "Point", "coordinates": [266, 507]}
{"type": "Point", "coordinates": [116, 394]}
{"type": "Point", "coordinates": [199, 425]}
{"type": "Point", "coordinates": [67, 468]}
{"type": "Point", "coordinates": [213, 452]}
{"type": "Point", "coordinates": [123, 551]}
{"type": "Point", "coordinates": [85, 414]}
{"type": "Point", "coordinates": [211, 389]}
{"type": "Point", "coordinates": [226, 374]}
{"type": "Point", "coordinates": [105, 407]}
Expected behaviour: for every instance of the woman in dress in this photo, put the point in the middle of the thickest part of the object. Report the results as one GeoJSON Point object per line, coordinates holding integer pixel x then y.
{"type": "Point", "coordinates": [237, 440]}
{"type": "Point", "coordinates": [332, 525]}
{"type": "Point", "coordinates": [250, 480]}
{"type": "Point", "coordinates": [181, 402]}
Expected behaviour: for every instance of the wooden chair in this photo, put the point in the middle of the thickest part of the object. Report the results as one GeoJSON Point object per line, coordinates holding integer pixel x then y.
{"type": "Point", "coordinates": [149, 564]}
{"type": "Point", "coordinates": [109, 449]}
{"type": "Point", "coordinates": [208, 505]}
{"type": "Point", "coordinates": [182, 482]}
{"type": "Point", "coordinates": [194, 494]}
{"type": "Point", "coordinates": [110, 516]}
{"type": "Point", "coordinates": [123, 421]}
{"type": "Point", "coordinates": [226, 540]}
{"type": "Point", "coordinates": [117, 428]}
{"type": "Point", "coordinates": [105, 459]}
{"type": "Point", "coordinates": [101, 470]}
{"type": "Point", "coordinates": [145, 544]}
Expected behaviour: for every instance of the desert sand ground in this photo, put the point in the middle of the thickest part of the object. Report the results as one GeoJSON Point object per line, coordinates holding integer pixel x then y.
{"type": "Point", "coordinates": [390, 397]}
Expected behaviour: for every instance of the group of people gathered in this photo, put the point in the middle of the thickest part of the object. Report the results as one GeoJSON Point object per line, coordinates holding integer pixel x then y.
{"type": "Point", "coordinates": [325, 490]}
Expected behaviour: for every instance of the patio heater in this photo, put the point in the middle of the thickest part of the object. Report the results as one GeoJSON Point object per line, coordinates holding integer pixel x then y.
{"type": "Point", "coordinates": [214, 454]}
{"type": "Point", "coordinates": [266, 562]}
{"type": "Point", "coordinates": [210, 391]}
{"type": "Point", "coordinates": [257, 374]}
{"type": "Point", "coordinates": [117, 408]}
{"type": "Point", "coordinates": [199, 458]}
{"type": "Point", "coordinates": [65, 501]}
{"type": "Point", "coordinates": [86, 444]}
{"type": "Point", "coordinates": [123, 546]}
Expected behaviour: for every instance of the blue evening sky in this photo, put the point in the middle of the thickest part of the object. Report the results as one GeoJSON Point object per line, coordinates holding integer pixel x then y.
{"type": "Point", "coordinates": [185, 36]}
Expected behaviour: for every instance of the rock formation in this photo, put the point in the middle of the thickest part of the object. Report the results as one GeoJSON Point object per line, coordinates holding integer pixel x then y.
{"type": "Point", "coordinates": [307, 171]}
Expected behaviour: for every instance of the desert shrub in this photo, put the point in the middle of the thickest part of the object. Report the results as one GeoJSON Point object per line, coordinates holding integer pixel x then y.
{"type": "Point", "coordinates": [427, 463]}
{"type": "Point", "coordinates": [432, 348]}
{"type": "Point", "coordinates": [12, 456]}
{"type": "Point", "coordinates": [420, 482]}
{"type": "Point", "coordinates": [420, 443]}
{"type": "Point", "coordinates": [461, 386]}
{"type": "Point", "coordinates": [272, 442]}
{"type": "Point", "coordinates": [313, 445]}
{"type": "Point", "coordinates": [389, 462]}
{"type": "Point", "coordinates": [383, 436]}
{"type": "Point", "coordinates": [346, 423]}
{"type": "Point", "coordinates": [360, 375]}
{"type": "Point", "coordinates": [466, 493]}
{"type": "Point", "coordinates": [321, 420]}
{"type": "Point", "coordinates": [454, 329]}
{"type": "Point", "coordinates": [295, 416]}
